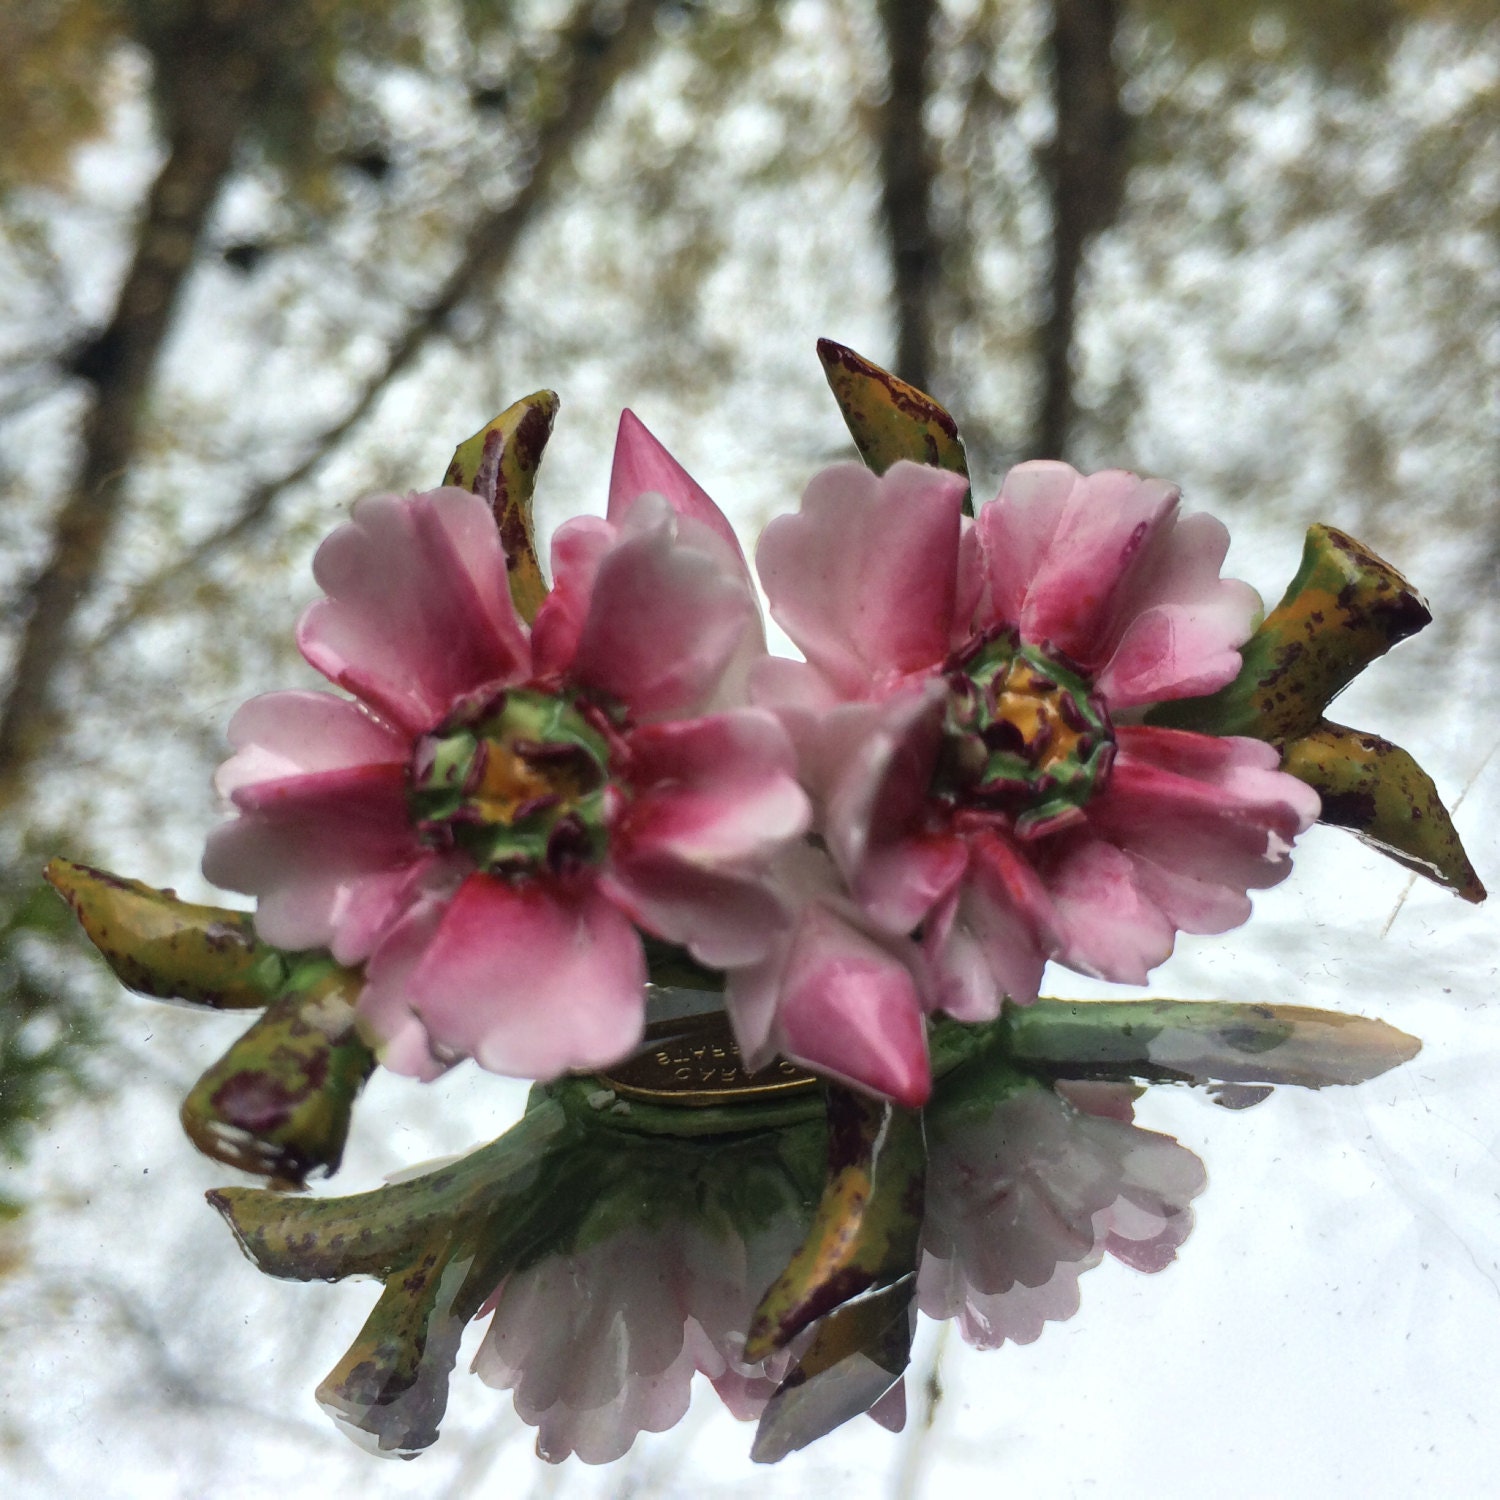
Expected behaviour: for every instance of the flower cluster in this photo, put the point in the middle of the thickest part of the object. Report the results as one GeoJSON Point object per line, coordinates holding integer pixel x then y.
{"type": "Point", "coordinates": [955, 786]}
{"type": "Point", "coordinates": [1044, 732]}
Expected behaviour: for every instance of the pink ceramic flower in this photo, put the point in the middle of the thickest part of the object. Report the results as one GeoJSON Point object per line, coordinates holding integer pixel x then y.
{"type": "Point", "coordinates": [968, 720]}
{"type": "Point", "coordinates": [1025, 1199]}
{"type": "Point", "coordinates": [487, 821]}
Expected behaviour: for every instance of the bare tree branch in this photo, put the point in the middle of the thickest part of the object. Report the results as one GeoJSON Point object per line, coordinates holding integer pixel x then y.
{"type": "Point", "coordinates": [210, 65]}
{"type": "Point", "coordinates": [598, 59]}
{"type": "Point", "coordinates": [1087, 168]}
{"type": "Point", "coordinates": [906, 171]}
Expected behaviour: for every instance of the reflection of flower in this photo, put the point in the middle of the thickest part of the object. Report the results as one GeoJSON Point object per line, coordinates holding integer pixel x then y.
{"type": "Point", "coordinates": [602, 1343]}
{"type": "Point", "coordinates": [1025, 1199]}
{"type": "Point", "coordinates": [967, 720]}
{"type": "Point", "coordinates": [487, 821]}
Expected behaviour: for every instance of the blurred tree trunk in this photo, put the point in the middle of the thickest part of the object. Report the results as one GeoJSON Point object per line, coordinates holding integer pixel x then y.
{"type": "Point", "coordinates": [208, 76]}
{"type": "Point", "coordinates": [595, 59]}
{"type": "Point", "coordinates": [906, 174]}
{"type": "Point", "coordinates": [209, 66]}
{"type": "Point", "coordinates": [1086, 170]}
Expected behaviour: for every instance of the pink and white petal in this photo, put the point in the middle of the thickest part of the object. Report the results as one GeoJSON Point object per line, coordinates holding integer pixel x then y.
{"type": "Point", "coordinates": [803, 879]}
{"type": "Point", "coordinates": [1106, 925]}
{"type": "Point", "coordinates": [386, 1018]}
{"type": "Point", "coordinates": [531, 980]}
{"type": "Point", "coordinates": [852, 1011]}
{"type": "Point", "coordinates": [827, 737]}
{"type": "Point", "coordinates": [900, 882]}
{"type": "Point", "coordinates": [786, 687]}
{"type": "Point", "coordinates": [972, 605]}
{"type": "Point", "coordinates": [880, 794]}
{"type": "Point", "coordinates": [642, 466]}
{"type": "Point", "coordinates": [1217, 809]}
{"type": "Point", "coordinates": [665, 620]}
{"type": "Point", "coordinates": [380, 903]}
{"type": "Point", "coordinates": [1188, 903]}
{"type": "Point", "coordinates": [1020, 1313]}
{"type": "Point", "coordinates": [1003, 918]}
{"type": "Point", "coordinates": [279, 735]}
{"type": "Point", "coordinates": [578, 548]}
{"type": "Point", "coordinates": [863, 578]}
{"type": "Point", "coordinates": [418, 609]}
{"type": "Point", "coordinates": [724, 920]}
{"type": "Point", "coordinates": [305, 845]}
{"type": "Point", "coordinates": [712, 792]}
{"type": "Point", "coordinates": [1115, 527]}
{"type": "Point", "coordinates": [1015, 531]}
{"type": "Point", "coordinates": [963, 984]}
{"type": "Point", "coordinates": [810, 711]}
{"type": "Point", "coordinates": [1183, 624]}
{"type": "Point", "coordinates": [750, 998]}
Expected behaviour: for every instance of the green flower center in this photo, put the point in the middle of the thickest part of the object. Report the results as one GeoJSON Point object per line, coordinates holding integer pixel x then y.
{"type": "Point", "coordinates": [1023, 736]}
{"type": "Point", "coordinates": [519, 782]}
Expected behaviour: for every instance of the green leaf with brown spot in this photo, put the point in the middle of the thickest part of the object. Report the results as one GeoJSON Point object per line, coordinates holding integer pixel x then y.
{"type": "Point", "coordinates": [279, 1102]}
{"type": "Point", "coordinates": [889, 419]}
{"type": "Point", "coordinates": [867, 1225]}
{"type": "Point", "coordinates": [441, 1243]}
{"type": "Point", "coordinates": [499, 464]}
{"type": "Point", "coordinates": [392, 1384]}
{"type": "Point", "coordinates": [375, 1233]}
{"type": "Point", "coordinates": [1377, 791]}
{"type": "Point", "coordinates": [171, 949]}
{"type": "Point", "coordinates": [1345, 608]}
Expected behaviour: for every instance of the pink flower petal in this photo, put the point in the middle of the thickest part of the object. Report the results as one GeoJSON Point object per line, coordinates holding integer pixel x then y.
{"type": "Point", "coordinates": [308, 846]}
{"type": "Point", "coordinates": [995, 942]}
{"type": "Point", "coordinates": [751, 995]}
{"type": "Point", "coordinates": [531, 980]}
{"type": "Point", "coordinates": [665, 619]}
{"type": "Point", "coordinates": [1188, 903]}
{"type": "Point", "coordinates": [1106, 925]}
{"type": "Point", "coordinates": [387, 1019]}
{"type": "Point", "coordinates": [1185, 623]}
{"type": "Point", "coordinates": [1016, 530]}
{"type": "Point", "coordinates": [643, 466]}
{"type": "Point", "coordinates": [724, 920]}
{"type": "Point", "coordinates": [863, 579]}
{"type": "Point", "coordinates": [850, 1010]}
{"type": "Point", "coordinates": [879, 792]}
{"type": "Point", "coordinates": [900, 882]}
{"type": "Point", "coordinates": [971, 602]}
{"type": "Point", "coordinates": [712, 792]}
{"type": "Point", "coordinates": [279, 735]}
{"type": "Point", "coordinates": [1068, 550]}
{"type": "Point", "coordinates": [578, 548]}
{"type": "Point", "coordinates": [418, 609]}
{"type": "Point", "coordinates": [1216, 809]}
